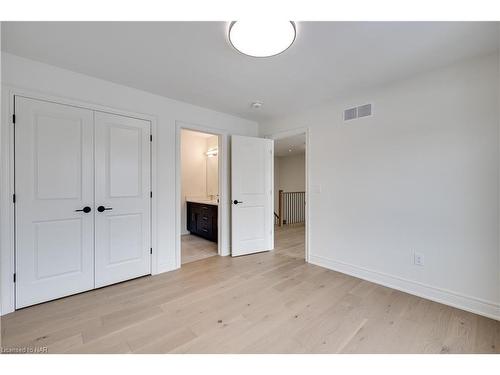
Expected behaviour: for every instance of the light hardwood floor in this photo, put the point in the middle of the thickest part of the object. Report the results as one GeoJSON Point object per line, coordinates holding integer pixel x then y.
{"type": "Point", "coordinates": [195, 248]}
{"type": "Point", "coordinates": [265, 303]}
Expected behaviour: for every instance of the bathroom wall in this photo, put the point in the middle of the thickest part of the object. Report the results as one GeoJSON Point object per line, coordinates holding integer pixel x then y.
{"type": "Point", "coordinates": [212, 167]}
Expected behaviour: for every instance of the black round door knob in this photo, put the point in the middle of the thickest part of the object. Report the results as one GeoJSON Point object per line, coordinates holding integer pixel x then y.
{"type": "Point", "coordinates": [102, 208]}
{"type": "Point", "coordinates": [85, 209]}
{"type": "Point", "coordinates": [237, 201]}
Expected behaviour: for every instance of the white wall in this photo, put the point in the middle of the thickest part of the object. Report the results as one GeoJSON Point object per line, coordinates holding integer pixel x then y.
{"type": "Point", "coordinates": [31, 75]}
{"type": "Point", "coordinates": [421, 175]}
{"type": "Point", "coordinates": [290, 175]}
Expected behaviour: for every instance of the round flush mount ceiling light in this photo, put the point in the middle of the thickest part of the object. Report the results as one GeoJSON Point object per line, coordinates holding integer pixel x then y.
{"type": "Point", "coordinates": [262, 38]}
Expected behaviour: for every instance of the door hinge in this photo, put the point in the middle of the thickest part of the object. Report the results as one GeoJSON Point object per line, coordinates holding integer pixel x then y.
{"type": "Point", "coordinates": [14, 277]}
{"type": "Point", "coordinates": [13, 198]}
{"type": "Point", "coordinates": [151, 138]}
{"type": "Point", "coordinates": [14, 118]}
{"type": "Point", "coordinates": [151, 251]}
{"type": "Point", "coordinates": [150, 194]}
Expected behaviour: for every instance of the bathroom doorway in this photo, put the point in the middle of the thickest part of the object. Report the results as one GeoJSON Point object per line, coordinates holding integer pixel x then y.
{"type": "Point", "coordinates": [200, 195]}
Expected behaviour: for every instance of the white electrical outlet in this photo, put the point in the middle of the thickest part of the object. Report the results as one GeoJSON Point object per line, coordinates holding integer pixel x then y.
{"type": "Point", "coordinates": [418, 259]}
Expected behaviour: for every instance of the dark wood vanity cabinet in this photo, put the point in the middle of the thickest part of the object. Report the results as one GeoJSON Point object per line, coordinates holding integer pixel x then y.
{"type": "Point", "coordinates": [202, 220]}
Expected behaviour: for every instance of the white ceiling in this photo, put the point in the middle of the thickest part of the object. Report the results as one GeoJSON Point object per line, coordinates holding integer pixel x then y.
{"type": "Point", "coordinates": [193, 62]}
{"type": "Point", "coordinates": [293, 145]}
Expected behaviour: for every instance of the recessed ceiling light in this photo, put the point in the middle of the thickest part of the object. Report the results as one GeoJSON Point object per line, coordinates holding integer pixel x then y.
{"type": "Point", "coordinates": [262, 38]}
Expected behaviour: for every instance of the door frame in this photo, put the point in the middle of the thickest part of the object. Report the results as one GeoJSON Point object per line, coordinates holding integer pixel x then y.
{"type": "Point", "coordinates": [223, 225]}
{"type": "Point", "coordinates": [7, 183]}
{"type": "Point", "coordinates": [286, 134]}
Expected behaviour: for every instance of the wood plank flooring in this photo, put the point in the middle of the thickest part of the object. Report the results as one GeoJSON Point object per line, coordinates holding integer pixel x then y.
{"type": "Point", "coordinates": [195, 248]}
{"type": "Point", "coordinates": [265, 303]}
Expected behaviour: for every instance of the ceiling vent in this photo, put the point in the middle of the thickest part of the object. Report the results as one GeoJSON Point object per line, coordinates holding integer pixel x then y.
{"type": "Point", "coordinates": [364, 110]}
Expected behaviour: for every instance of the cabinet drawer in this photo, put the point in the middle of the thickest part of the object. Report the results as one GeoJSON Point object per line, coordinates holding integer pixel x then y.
{"type": "Point", "coordinates": [204, 225]}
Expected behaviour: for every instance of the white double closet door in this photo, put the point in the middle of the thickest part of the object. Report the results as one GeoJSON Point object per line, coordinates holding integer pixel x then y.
{"type": "Point", "coordinates": [82, 209]}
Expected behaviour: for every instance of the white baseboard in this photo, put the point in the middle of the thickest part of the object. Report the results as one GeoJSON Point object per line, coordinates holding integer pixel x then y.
{"type": "Point", "coordinates": [475, 305]}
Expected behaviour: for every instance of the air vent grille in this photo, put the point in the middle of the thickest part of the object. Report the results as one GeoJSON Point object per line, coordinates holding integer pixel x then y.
{"type": "Point", "coordinates": [350, 114]}
{"type": "Point", "coordinates": [364, 110]}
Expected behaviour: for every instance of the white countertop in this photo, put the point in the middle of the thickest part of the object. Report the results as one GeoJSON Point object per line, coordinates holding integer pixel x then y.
{"type": "Point", "coordinates": [212, 202]}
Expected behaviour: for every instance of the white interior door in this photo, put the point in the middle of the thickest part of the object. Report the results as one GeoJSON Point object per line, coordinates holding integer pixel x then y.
{"type": "Point", "coordinates": [54, 181]}
{"type": "Point", "coordinates": [252, 195]}
{"type": "Point", "coordinates": [122, 198]}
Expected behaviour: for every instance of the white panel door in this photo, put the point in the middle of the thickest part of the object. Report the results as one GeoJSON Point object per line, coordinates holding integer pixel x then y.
{"type": "Point", "coordinates": [54, 181]}
{"type": "Point", "coordinates": [252, 195]}
{"type": "Point", "coordinates": [122, 198]}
